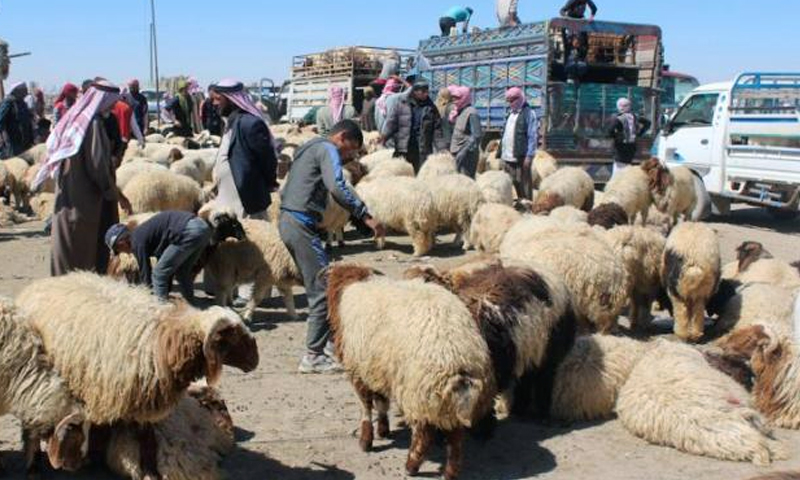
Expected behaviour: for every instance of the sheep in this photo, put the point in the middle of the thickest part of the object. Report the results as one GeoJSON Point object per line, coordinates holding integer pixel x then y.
{"type": "Point", "coordinates": [372, 141]}
{"type": "Point", "coordinates": [416, 344]}
{"type": "Point", "coordinates": [568, 186]}
{"type": "Point", "coordinates": [569, 214]}
{"type": "Point", "coordinates": [641, 250]}
{"type": "Point", "coordinates": [673, 192]}
{"type": "Point", "coordinates": [18, 168]}
{"type": "Point", "coordinates": [335, 217]}
{"type": "Point", "coordinates": [405, 205]}
{"type": "Point", "coordinates": [10, 217]}
{"type": "Point", "coordinates": [594, 275]}
{"type": "Point", "coordinates": [374, 159]}
{"type": "Point", "coordinates": [155, 138]}
{"type": "Point", "coordinates": [544, 165]}
{"type": "Point", "coordinates": [690, 272]}
{"type": "Point", "coordinates": [159, 191]}
{"type": "Point", "coordinates": [191, 441]}
{"type": "Point", "coordinates": [456, 199]}
{"type": "Point", "coordinates": [526, 318]}
{"type": "Point", "coordinates": [43, 205]}
{"type": "Point", "coordinates": [151, 351]}
{"type": "Point", "coordinates": [757, 265]}
{"type": "Point", "coordinates": [37, 396]}
{"type": "Point", "coordinates": [437, 165]}
{"type": "Point", "coordinates": [127, 171]}
{"type": "Point", "coordinates": [162, 154]}
{"type": "Point", "coordinates": [608, 216]}
{"type": "Point", "coordinates": [49, 184]}
{"type": "Point", "coordinates": [674, 398]}
{"type": "Point", "coordinates": [630, 189]}
{"type": "Point", "coordinates": [393, 167]}
{"type": "Point", "coordinates": [8, 183]}
{"type": "Point", "coordinates": [497, 187]}
{"type": "Point", "coordinates": [194, 168]}
{"type": "Point", "coordinates": [491, 223]}
{"type": "Point", "coordinates": [489, 160]}
{"type": "Point", "coordinates": [35, 155]}
{"type": "Point", "coordinates": [261, 259]}
{"type": "Point", "coordinates": [740, 305]}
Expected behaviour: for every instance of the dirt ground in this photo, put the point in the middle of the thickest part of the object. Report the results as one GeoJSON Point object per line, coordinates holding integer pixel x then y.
{"type": "Point", "coordinates": [297, 427]}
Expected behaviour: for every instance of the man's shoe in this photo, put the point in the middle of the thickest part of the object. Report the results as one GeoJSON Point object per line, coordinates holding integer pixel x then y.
{"type": "Point", "coordinates": [319, 364]}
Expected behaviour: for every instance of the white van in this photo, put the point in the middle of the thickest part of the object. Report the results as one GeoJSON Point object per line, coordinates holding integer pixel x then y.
{"type": "Point", "coordinates": [743, 139]}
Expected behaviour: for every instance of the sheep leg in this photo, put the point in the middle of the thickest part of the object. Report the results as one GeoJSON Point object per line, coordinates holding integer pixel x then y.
{"type": "Point", "coordinates": [288, 300]}
{"type": "Point", "coordinates": [641, 316]}
{"type": "Point", "coordinates": [465, 239]}
{"type": "Point", "coordinates": [148, 452]}
{"type": "Point", "coordinates": [33, 460]}
{"type": "Point", "coordinates": [698, 321]}
{"type": "Point", "coordinates": [682, 319]}
{"type": "Point", "coordinates": [260, 290]}
{"type": "Point", "coordinates": [455, 441]}
{"type": "Point", "coordinates": [382, 406]}
{"type": "Point", "coordinates": [340, 237]}
{"type": "Point", "coordinates": [421, 440]}
{"type": "Point", "coordinates": [422, 242]}
{"type": "Point", "coordinates": [366, 435]}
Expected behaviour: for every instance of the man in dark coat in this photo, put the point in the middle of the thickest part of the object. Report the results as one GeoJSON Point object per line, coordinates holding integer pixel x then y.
{"type": "Point", "coordinates": [141, 108]}
{"type": "Point", "coordinates": [181, 107]}
{"type": "Point", "coordinates": [16, 123]}
{"type": "Point", "coordinates": [415, 126]}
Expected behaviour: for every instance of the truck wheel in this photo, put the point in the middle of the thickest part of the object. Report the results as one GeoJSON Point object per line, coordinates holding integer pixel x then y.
{"type": "Point", "coordinates": [782, 214]}
{"type": "Point", "coordinates": [703, 209]}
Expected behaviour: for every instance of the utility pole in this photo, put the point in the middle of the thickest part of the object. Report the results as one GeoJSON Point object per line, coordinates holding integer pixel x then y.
{"type": "Point", "coordinates": [154, 57]}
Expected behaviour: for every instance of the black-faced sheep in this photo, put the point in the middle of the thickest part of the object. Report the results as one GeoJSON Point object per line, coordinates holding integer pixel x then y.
{"type": "Point", "coordinates": [691, 273]}
{"type": "Point", "coordinates": [440, 374]}
{"type": "Point", "coordinates": [568, 186]}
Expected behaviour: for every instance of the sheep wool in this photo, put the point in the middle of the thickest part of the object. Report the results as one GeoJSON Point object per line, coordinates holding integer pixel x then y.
{"type": "Point", "coordinates": [544, 165]}
{"type": "Point", "coordinates": [36, 155]}
{"type": "Point", "coordinates": [489, 226]}
{"type": "Point", "coordinates": [18, 168]}
{"type": "Point", "coordinates": [674, 398]}
{"type": "Point", "coordinates": [691, 273]}
{"type": "Point", "coordinates": [125, 354]}
{"type": "Point", "coordinates": [49, 185]}
{"type": "Point", "coordinates": [159, 191]}
{"type": "Point", "coordinates": [496, 187]}
{"type": "Point", "coordinates": [437, 165]}
{"type": "Point", "coordinates": [404, 205]}
{"type": "Point", "coordinates": [569, 215]}
{"type": "Point", "coordinates": [389, 168]}
{"type": "Point", "coordinates": [752, 304]}
{"type": "Point", "coordinates": [127, 171]}
{"type": "Point", "coordinates": [568, 186]}
{"type": "Point", "coordinates": [630, 189]}
{"type": "Point", "coordinates": [456, 199]}
{"type": "Point", "coordinates": [372, 160]}
{"type": "Point", "coordinates": [771, 271]}
{"type": "Point", "coordinates": [675, 194]}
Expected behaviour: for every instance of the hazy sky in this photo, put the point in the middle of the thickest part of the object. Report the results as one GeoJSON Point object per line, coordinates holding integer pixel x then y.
{"type": "Point", "coordinates": [249, 39]}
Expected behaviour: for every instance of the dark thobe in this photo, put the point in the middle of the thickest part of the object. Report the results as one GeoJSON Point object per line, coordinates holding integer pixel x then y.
{"type": "Point", "coordinates": [86, 205]}
{"type": "Point", "coordinates": [16, 127]}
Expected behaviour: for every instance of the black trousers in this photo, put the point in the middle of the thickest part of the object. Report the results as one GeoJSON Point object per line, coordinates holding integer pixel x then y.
{"type": "Point", "coordinates": [446, 24]}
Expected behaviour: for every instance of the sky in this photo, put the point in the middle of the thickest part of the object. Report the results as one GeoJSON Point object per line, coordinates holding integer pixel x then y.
{"type": "Point", "coordinates": [251, 39]}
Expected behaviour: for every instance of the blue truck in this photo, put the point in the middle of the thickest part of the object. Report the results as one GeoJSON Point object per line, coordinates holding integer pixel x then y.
{"type": "Point", "coordinates": [572, 71]}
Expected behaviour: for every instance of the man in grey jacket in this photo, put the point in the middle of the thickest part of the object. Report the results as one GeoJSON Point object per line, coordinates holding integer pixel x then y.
{"type": "Point", "coordinates": [316, 172]}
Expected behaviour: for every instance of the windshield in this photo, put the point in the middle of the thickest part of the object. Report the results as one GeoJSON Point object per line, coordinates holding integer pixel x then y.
{"type": "Point", "coordinates": [697, 111]}
{"type": "Point", "coordinates": [150, 95]}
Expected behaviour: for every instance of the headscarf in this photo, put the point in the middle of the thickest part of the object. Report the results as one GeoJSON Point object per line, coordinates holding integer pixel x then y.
{"type": "Point", "coordinates": [392, 86]}
{"type": "Point", "coordinates": [442, 100]}
{"type": "Point", "coordinates": [69, 133]}
{"type": "Point", "coordinates": [18, 86]}
{"type": "Point", "coordinates": [234, 91]}
{"type": "Point", "coordinates": [194, 87]}
{"type": "Point", "coordinates": [67, 89]}
{"type": "Point", "coordinates": [336, 103]}
{"type": "Point", "coordinates": [133, 82]}
{"type": "Point", "coordinates": [627, 118]}
{"type": "Point", "coordinates": [516, 98]}
{"type": "Point", "coordinates": [463, 99]}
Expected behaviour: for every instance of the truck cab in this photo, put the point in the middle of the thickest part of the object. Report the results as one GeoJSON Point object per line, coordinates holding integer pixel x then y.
{"type": "Point", "coordinates": [742, 138]}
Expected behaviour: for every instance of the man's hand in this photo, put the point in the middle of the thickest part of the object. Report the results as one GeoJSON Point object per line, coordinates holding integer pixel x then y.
{"type": "Point", "coordinates": [377, 227]}
{"type": "Point", "coordinates": [125, 204]}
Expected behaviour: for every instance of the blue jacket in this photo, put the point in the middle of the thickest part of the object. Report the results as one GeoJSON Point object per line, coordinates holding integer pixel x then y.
{"type": "Point", "coordinates": [253, 161]}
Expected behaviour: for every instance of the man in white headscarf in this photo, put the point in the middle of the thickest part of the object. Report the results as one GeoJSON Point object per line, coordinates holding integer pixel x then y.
{"type": "Point", "coordinates": [507, 14]}
{"type": "Point", "coordinates": [625, 130]}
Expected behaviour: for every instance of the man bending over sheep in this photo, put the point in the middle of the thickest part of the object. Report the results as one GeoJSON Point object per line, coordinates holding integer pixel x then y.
{"type": "Point", "coordinates": [176, 239]}
{"type": "Point", "coordinates": [317, 171]}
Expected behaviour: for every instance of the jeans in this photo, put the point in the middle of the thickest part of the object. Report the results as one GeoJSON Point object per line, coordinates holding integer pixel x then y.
{"type": "Point", "coordinates": [178, 260]}
{"type": "Point", "coordinates": [308, 251]}
{"type": "Point", "coordinates": [447, 24]}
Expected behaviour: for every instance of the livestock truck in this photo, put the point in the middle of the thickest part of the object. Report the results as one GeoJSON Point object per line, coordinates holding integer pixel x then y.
{"type": "Point", "coordinates": [352, 68]}
{"type": "Point", "coordinates": [617, 60]}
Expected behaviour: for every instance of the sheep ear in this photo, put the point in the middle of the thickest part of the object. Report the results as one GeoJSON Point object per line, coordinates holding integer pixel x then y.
{"type": "Point", "coordinates": [229, 342]}
{"type": "Point", "coordinates": [68, 445]}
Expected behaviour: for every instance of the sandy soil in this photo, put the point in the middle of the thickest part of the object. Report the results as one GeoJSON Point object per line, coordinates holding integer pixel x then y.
{"type": "Point", "coordinates": [302, 427]}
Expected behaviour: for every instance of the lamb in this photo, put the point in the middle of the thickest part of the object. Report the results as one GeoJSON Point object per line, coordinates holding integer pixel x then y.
{"type": "Point", "coordinates": [674, 398]}
{"type": "Point", "coordinates": [568, 186]}
{"type": "Point", "coordinates": [439, 374]}
{"type": "Point", "coordinates": [18, 168]}
{"type": "Point", "coordinates": [526, 318]}
{"type": "Point", "coordinates": [262, 259]}
{"type": "Point", "coordinates": [405, 205]}
{"type": "Point", "coordinates": [392, 167]}
{"type": "Point", "coordinates": [630, 189]}
{"type": "Point", "coordinates": [158, 191]}
{"type": "Point", "coordinates": [456, 199]}
{"type": "Point", "coordinates": [489, 226]}
{"type": "Point", "coordinates": [191, 441]}
{"type": "Point", "coordinates": [437, 165]}
{"type": "Point", "coordinates": [673, 192]}
{"type": "Point", "coordinates": [151, 351]}
{"type": "Point", "coordinates": [496, 187]}
{"type": "Point", "coordinates": [690, 272]}
{"type": "Point", "coordinates": [595, 277]}
{"type": "Point", "coordinates": [641, 250]}
{"type": "Point", "coordinates": [35, 394]}
{"type": "Point", "coordinates": [128, 171]}
{"type": "Point", "coordinates": [608, 216]}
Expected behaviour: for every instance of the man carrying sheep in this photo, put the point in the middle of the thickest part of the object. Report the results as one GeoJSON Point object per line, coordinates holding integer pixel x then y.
{"type": "Point", "coordinates": [316, 172]}
{"type": "Point", "coordinates": [176, 239]}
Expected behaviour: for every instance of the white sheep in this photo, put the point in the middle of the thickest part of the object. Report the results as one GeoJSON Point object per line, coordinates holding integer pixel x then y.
{"type": "Point", "coordinates": [158, 191]}
{"type": "Point", "coordinates": [335, 217]}
{"type": "Point", "coordinates": [569, 214]}
{"type": "Point", "coordinates": [155, 138]}
{"type": "Point", "coordinates": [32, 391]}
{"type": "Point", "coordinates": [191, 167]}
{"type": "Point", "coordinates": [690, 273]}
{"type": "Point", "coordinates": [437, 165]}
{"type": "Point", "coordinates": [630, 189]}
{"type": "Point", "coordinates": [568, 186]}
{"type": "Point", "coordinates": [489, 159]}
{"type": "Point", "coordinates": [415, 344]}
{"type": "Point", "coordinates": [497, 187]}
{"type": "Point", "coordinates": [405, 205]}
{"type": "Point", "coordinates": [544, 165]}
{"type": "Point", "coordinates": [674, 398]}
{"type": "Point", "coordinates": [740, 306]}
{"type": "Point", "coordinates": [674, 192]}
{"type": "Point", "coordinates": [375, 158]}
{"type": "Point", "coordinates": [35, 155]}
{"type": "Point", "coordinates": [43, 205]}
{"type": "Point", "coordinates": [389, 168]}
{"type": "Point", "coordinates": [456, 199]}
{"type": "Point", "coordinates": [641, 250]}
{"type": "Point", "coordinates": [489, 226]}
{"type": "Point", "coordinates": [162, 154]}
{"type": "Point", "coordinates": [18, 168]}
{"type": "Point", "coordinates": [48, 186]}
{"type": "Point", "coordinates": [127, 171]}
{"type": "Point", "coordinates": [772, 271]}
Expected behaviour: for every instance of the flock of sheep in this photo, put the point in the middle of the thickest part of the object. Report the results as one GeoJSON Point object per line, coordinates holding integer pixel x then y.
{"type": "Point", "coordinates": [533, 326]}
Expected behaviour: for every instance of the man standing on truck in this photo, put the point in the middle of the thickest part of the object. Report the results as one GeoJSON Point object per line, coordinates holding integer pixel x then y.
{"type": "Point", "coordinates": [507, 13]}
{"type": "Point", "coordinates": [577, 9]}
{"type": "Point", "coordinates": [453, 17]}
{"type": "Point", "coordinates": [519, 142]}
{"type": "Point", "coordinates": [316, 172]}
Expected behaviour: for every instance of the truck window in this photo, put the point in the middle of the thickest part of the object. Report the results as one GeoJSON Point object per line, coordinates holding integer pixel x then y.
{"type": "Point", "coordinates": [698, 111]}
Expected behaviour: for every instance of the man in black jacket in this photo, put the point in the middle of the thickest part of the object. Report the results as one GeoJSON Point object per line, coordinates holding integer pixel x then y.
{"type": "Point", "coordinates": [16, 123]}
{"type": "Point", "coordinates": [415, 126]}
{"type": "Point", "coordinates": [577, 9]}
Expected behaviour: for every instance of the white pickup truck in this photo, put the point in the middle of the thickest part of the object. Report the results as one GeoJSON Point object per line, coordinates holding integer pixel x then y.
{"type": "Point", "coordinates": [743, 139]}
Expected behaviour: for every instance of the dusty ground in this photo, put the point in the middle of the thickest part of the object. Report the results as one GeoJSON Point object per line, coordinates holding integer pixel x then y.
{"type": "Point", "coordinates": [301, 427]}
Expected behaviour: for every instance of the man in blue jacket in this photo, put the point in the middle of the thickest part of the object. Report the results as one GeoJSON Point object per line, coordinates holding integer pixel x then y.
{"type": "Point", "coordinates": [453, 17]}
{"type": "Point", "coordinates": [317, 171]}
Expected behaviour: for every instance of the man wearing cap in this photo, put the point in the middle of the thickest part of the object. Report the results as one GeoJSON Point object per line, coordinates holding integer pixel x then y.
{"type": "Point", "coordinates": [415, 126]}
{"type": "Point", "coordinates": [16, 122]}
{"type": "Point", "coordinates": [182, 107]}
{"type": "Point", "coordinates": [519, 141]}
{"type": "Point", "coordinates": [176, 239]}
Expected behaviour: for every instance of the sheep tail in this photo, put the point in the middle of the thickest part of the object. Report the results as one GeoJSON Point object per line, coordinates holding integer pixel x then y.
{"type": "Point", "coordinates": [467, 395]}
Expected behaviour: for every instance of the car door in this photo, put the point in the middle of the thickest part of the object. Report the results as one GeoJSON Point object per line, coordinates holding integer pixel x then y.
{"type": "Point", "coordinates": [688, 137]}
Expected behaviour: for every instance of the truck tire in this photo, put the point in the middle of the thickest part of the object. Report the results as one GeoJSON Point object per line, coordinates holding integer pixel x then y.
{"type": "Point", "coordinates": [703, 209]}
{"type": "Point", "coordinates": [782, 214]}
